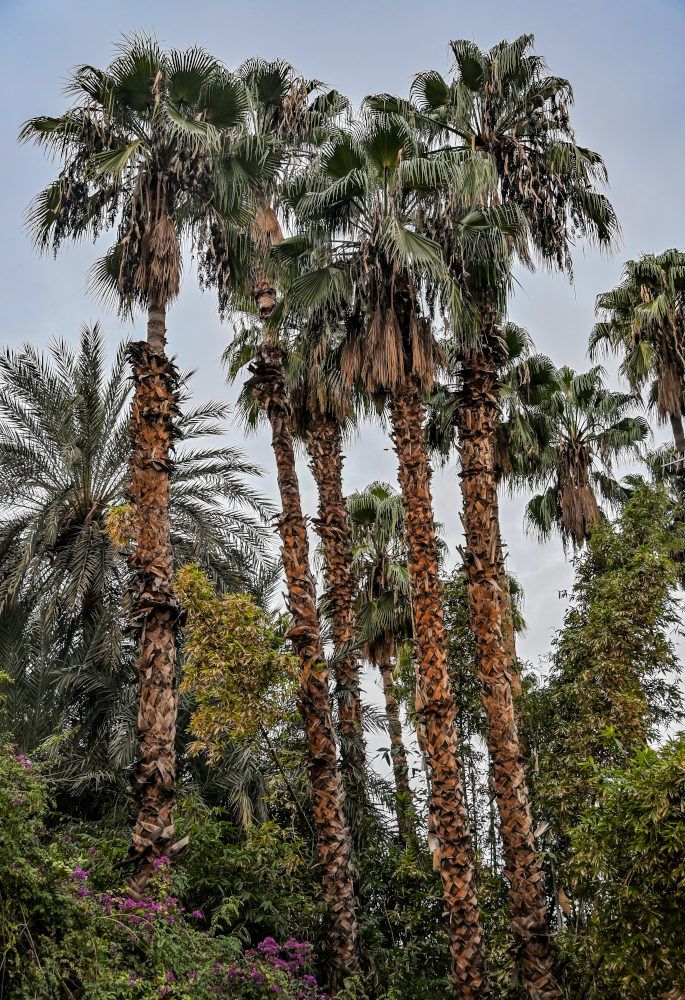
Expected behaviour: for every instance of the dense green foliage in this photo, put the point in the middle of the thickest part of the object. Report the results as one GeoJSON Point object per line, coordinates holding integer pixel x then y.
{"type": "Point", "coordinates": [628, 873]}
{"type": "Point", "coordinates": [404, 220]}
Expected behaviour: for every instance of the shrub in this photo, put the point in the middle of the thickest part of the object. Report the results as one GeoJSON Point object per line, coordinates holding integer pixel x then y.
{"type": "Point", "coordinates": [63, 934]}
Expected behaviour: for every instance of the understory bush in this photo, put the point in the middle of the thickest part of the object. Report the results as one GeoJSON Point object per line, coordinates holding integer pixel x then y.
{"type": "Point", "coordinates": [65, 932]}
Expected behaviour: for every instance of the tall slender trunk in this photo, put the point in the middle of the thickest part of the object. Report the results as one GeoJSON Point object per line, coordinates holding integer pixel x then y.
{"type": "Point", "coordinates": [398, 754]}
{"type": "Point", "coordinates": [679, 476]}
{"type": "Point", "coordinates": [331, 830]}
{"type": "Point", "coordinates": [326, 461]}
{"type": "Point", "coordinates": [478, 418]}
{"type": "Point", "coordinates": [435, 701]}
{"type": "Point", "coordinates": [154, 608]}
{"type": "Point", "coordinates": [508, 633]}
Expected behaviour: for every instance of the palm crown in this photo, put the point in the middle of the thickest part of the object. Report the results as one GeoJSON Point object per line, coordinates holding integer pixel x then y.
{"type": "Point", "coordinates": [588, 428]}
{"type": "Point", "coordinates": [644, 320]}
{"type": "Point", "coordinates": [367, 210]}
{"type": "Point", "coordinates": [503, 103]}
{"type": "Point", "coordinates": [155, 144]}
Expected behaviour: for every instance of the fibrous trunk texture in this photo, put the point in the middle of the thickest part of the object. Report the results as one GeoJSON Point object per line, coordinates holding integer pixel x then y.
{"type": "Point", "coordinates": [679, 475]}
{"type": "Point", "coordinates": [478, 418]}
{"type": "Point", "coordinates": [508, 633]}
{"type": "Point", "coordinates": [398, 754]}
{"type": "Point", "coordinates": [331, 830]}
{"type": "Point", "coordinates": [154, 608]}
{"type": "Point", "coordinates": [435, 702]}
{"type": "Point", "coordinates": [326, 461]}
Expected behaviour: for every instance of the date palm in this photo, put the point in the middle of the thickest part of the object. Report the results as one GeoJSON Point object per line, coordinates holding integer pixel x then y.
{"type": "Point", "coordinates": [288, 116]}
{"type": "Point", "coordinates": [64, 524]}
{"type": "Point", "coordinates": [502, 103]}
{"type": "Point", "coordinates": [361, 241]}
{"type": "Point", "coordinates": [145, 148]}
{"type": "Point", "coordinates": [383, 606]}
{"type": "Point", "coordinates": [589, 428]}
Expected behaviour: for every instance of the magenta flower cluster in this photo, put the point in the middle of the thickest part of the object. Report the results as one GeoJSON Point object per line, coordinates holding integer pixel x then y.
{"type": "Point", "coordinates": [273, 968]}
{"type": "Point", "coordinates": [288, 960]}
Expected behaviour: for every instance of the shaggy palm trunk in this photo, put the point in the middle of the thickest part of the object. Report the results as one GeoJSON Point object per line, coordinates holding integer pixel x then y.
{"type": "Point", "coordinates": [154, 608]}
{"type": "Point", "coordinates": [478, 418]}
{"type": "Point", "coordinates": [679, 476]}
{"type": "Point", "coordinates": [331, 830]}
{"type": "Point", "coordinates": [435, 702]}
{"type": "Point", "coordinates": [398, 754]}
{"type": "Point", "coordinates": [508, 633]}
{"type": "Point", "coordinates": [326, 462]}
{"type": "Point", "coordinates": [678, 434]}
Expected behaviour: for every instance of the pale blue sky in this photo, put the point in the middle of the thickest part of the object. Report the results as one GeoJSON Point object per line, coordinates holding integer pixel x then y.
{"type": "Point", "coordinates": [623, 57]}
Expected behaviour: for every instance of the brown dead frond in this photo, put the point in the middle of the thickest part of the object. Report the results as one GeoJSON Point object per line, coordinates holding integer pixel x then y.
{"type": "Point", "coordinates": [577, 504]}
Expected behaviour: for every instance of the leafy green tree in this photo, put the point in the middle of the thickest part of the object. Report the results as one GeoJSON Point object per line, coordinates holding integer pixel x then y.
{"type": "Point", "coordinates": [148, 146]}
{"type": "Point", "coordinates": [627, 871]}
{"type": "Point", "coordinates": [589, 427]}
{"type": "Point", "coordinates": [242, 681]}
{"type": "Point", "coordinates": [613, 668]}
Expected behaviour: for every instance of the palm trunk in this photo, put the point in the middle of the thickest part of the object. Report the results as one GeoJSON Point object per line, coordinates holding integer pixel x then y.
{"type": "Point", "coordinates": [508, 634]}
{"type": "Point", "coordinates": [154, 608]}
{"type": "Point", "coordinates": [331, 830]}
{"type": "Point", "coordinates": [679, 476]}
{"type": "Point", "coordinates": [478, 418]}
{"type": "Point", "coordinates": [435, 702]}
{"type": "Point", "coordinates": [678, 433]}
{"type": "Point", "coordinates": [405, 798]}
{"type": "Point", "coordinates": [326, 462]}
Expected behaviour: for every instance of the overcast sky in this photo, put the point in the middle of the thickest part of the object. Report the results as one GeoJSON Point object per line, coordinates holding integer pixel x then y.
{"type": "Point", "coordinates": [623, 57]}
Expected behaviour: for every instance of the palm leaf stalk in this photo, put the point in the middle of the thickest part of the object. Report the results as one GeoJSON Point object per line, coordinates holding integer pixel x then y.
{"type": "Point", "coordinates": [136, 149]}
{"type": "Point", "coordinates": [523, 379]}
{"type": "Point", "coordinates": [322, 412]}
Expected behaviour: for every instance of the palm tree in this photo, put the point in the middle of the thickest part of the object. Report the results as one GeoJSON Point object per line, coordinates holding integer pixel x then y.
{"type": "Point", "coordinates": [383, 606]}
{"type": "Point", "coordinates": [287, 115]}
{"type": "Point", "coordinates": [644, 321]}
{"type": "Point", "coordinates": [502, 103]}
{"type": "Point", "coordinates": [523, 380]}
{"type": "Point", "coordinates": [323, 413]}
{"type": "Point", "coordinates": [64, 534]}
{"type": "Point", "coordinates": [64, 458]}
{"type": "Point", "coordinates": [589, 427]}
{"type": "Point", "coordinates": [144, 146]}
{"type": "Point", "coordinates": [359, 243]}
